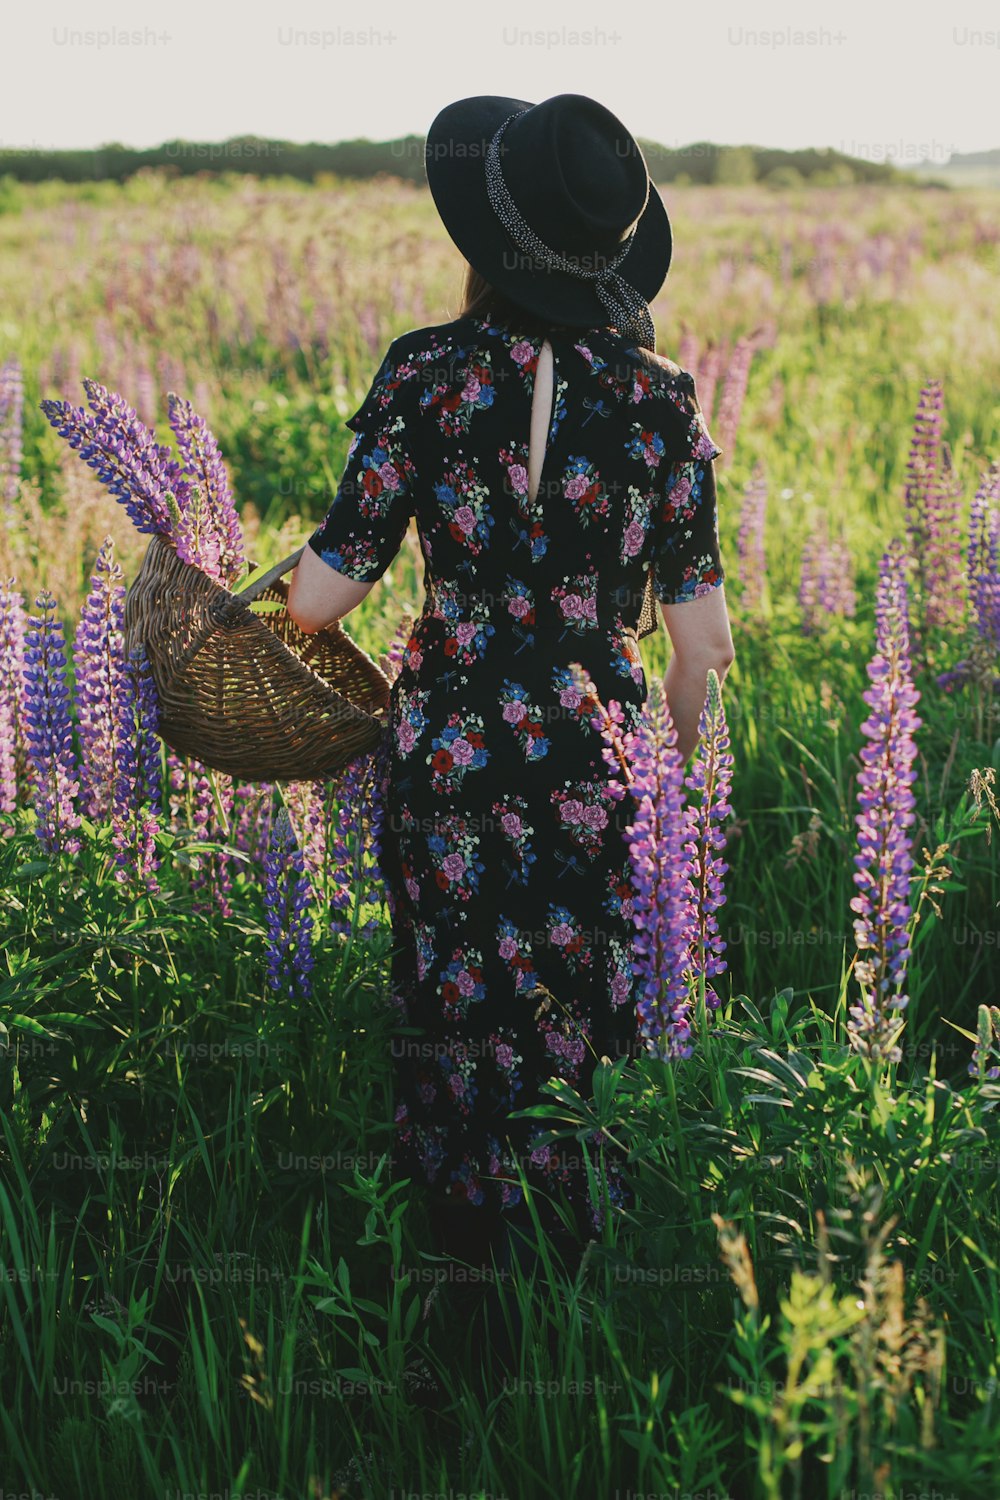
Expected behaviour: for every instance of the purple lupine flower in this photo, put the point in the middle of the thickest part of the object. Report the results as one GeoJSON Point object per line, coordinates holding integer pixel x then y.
{"type": "Point", "coordinates": [983, 587]}
{"type": "Point", "coordinates": [838, 590]}
{"type": "Point", "coordinates": [826, 582]}
{"type": "Point", "coordinates": [922, 463]}
{"type": "Point", "coordinates": [687, 357]}
{"type": "Point", "coordinates": [931, 501]}
{"type": "Point", "coordinates": [138, 785]}
{"type": "Point", "coordinates": [987, 1044]}
{"type": "Point", "coordinates": [710, 777]}
{"type": "Point", "coordinates": [287, 894]}
{"type": "Point", "coordinates": [609, 721]}
{"type": "Point", "coordinates": [707, 379]}
{"type": "Point", "coordinates": [254, 810]}
{"type": "Point", "coordinates": [99, 664]}
{"type": "Point", "coordinates": [125, 455]}
{"type": "Point", "coordinates": [815, 566]}
{"type": "Point", "coordinates": [13, 757]}
{"type": "Point", "coordinates": [204, 468]}
{"type": "Point", "coordinates": [145, 394]}
{"type": "Point", "coordinates": [984, 559]}
{"type": "Point", "coordinates": [11, 418]}
{"type": "Point", "coordinates": [886, 803]}
{"type": "Point", "coordinates": [659, 838]}
{"type": "Point", "coordinates": [750, 541]}
{"type": "Point", "coordinates": [178, 788]}
{"type": "Point", "coordinates": [212, 880]}
{"type": "Point", "coordinates": [392, 661]}
{"type": "Point", "coordinates": [734, 389]}
{"type": "Point", "coordinates": [357, 831]}
{"type": "Point", "coordinates": [304, 801]}
{"type": "Point", "coordinates": [49, 730]}
{"type": "Point", "coordinates": [942, 567]}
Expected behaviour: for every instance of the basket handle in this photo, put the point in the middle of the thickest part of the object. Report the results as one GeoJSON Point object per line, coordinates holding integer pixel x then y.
{"type": "Point", "coordinates": [230, 608]}
{"type": "Point", "coordinates": [271, 576]}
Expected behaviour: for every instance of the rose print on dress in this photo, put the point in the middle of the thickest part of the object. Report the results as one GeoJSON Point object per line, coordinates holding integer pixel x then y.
{"type": "Point", "coordinates": [566, 1042]}
{"type": "Point", "coordinates": [519, 601]}
{"type": "Point", "coordinates": [567, 935]}
{"type": "Point", "coordinates": [515, 950]}
{"type": "Point", "coordinates": [581, 485]}
{"type": "Point", "coordinates": [647, 445]}
{"type": "Point", "coordinates": [462, 498]}
{"type": "Point", "coordinates": [458, 1070]}
{"type": "Point", "coordinates": [461, 982]}
{"type": "Point", "coordinates": [457, 750]}
{"type": "Point", "coordinates": [384, 474]}
{"type": "Point", "coordinates": [424, 938]}
{"type": "Point", "coordinates": [455, 404]}
{"type": "Point", "coordinates": [512, 812]}
{"type": "Point", "coordinates": [639, 508]}
{"type": "Point", "coordinates": [525, 357]}
{"type": "Point", "coordinates": [577, 598]}
{"type": "Point", "coordinates": [620, 971]}
{"type": "Point", "coordinates": [579, 706]}
{"type": "Point", "coordinates": [353, 558]}
{"type": "Point", "coordinates": [453, 848]}
{"type": "Point", "coordinates": [412, 718]}
{"type": "Point", "coordinates": [504, 1046]}
{"type": "Point", "coordinates": [524, 718]}
{"type": "Point", "coordinates": [467, 621]}
{"type": "Point", "coordinates": [526, 524]}
{"type": "Point", "coordinates": [582, 808]}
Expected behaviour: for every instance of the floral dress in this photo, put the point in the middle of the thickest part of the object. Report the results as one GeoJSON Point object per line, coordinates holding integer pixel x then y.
{"type": "Point", "coordinates": [503, 853]}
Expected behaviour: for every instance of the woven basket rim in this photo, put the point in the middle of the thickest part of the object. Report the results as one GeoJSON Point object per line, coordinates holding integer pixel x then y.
{"type": "Point", "coordinates": [263, 631]}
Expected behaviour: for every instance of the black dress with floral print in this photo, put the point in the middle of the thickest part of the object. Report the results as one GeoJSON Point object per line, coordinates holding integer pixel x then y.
{"type": "Point", "coordinates": [503, 853]}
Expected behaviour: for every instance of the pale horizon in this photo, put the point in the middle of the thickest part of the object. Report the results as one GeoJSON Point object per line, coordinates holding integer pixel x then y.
{"type": "Point", "coordinates": [866, 84]}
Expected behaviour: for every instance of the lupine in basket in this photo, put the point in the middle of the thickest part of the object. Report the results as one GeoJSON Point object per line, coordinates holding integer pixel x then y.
{"type": "Point", "coordinates": [188, 502]}
{"type": "Point", "coordinates": [884, 861]}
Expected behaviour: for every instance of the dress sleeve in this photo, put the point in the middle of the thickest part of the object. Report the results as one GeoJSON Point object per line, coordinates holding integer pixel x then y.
{"type": "Point", "coordinates": [367, 520]}
{"type": "Point", "coordinates": [686, 559]}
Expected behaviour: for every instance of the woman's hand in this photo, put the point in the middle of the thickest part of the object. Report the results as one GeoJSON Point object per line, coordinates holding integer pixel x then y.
{"type": "Point", "coordinates": [701, 637]}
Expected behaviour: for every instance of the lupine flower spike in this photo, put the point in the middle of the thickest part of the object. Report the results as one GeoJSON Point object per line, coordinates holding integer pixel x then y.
{"type": "Point", "coordinates": [287, 895]}
{"type": "Point", "coordinates": [884, 860]}
{"type": "Point", "coordinates": [710, 778]}
{"type": "Point", "coordinates": [49, 731]}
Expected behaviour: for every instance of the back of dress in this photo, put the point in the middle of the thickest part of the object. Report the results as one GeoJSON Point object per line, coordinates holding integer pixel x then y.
{"type": "Point", "coordinates": [503, 851]}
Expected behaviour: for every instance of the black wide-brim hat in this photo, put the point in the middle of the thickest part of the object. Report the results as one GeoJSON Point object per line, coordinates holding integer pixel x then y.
{"type": "Point", "coordinates": [578, 179]}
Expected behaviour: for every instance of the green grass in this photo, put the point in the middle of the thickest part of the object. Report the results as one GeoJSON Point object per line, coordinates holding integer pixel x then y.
{"type": "Point", "coordinates": [207, 1282]}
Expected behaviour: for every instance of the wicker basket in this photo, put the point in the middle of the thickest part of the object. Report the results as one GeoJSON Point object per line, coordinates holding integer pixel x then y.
{"type": "Point", "coordinates": [250, 694]}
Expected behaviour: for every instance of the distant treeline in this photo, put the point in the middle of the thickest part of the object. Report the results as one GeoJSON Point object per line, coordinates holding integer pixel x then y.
{"type": "Point", "coordinates": [701, 162]}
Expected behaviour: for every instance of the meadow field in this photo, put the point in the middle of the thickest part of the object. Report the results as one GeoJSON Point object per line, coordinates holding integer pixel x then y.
{"type": "Point", "coordinates": [208, 1287]}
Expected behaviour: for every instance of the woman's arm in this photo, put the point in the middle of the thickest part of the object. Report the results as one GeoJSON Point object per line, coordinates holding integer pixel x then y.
{"type": "Point", "coordinates": [318, 595]}
{"type": "Point", "coordinates": [701, 637]}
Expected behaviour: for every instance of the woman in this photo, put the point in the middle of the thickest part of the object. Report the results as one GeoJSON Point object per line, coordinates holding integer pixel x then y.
{"type": "Point", "coordinates": [557, 470]}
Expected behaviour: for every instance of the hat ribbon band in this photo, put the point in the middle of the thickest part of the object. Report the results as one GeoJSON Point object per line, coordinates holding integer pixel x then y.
{"type": "Point", "coordinates": [627, 309]}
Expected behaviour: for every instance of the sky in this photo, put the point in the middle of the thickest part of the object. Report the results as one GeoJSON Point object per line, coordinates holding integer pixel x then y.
{"type": "Point", "coordinates": [861, 78]}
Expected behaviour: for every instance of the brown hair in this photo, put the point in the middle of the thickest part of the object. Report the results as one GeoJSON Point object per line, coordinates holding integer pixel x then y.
{"type": "Point", "coordinates": [481, 299]}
